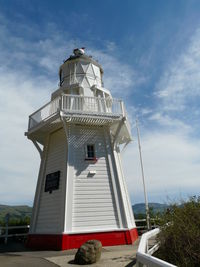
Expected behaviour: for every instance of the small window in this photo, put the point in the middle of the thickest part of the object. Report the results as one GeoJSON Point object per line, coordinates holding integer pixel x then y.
{"type": "Point", "coordinates": [90, 153]}
{"type": "Point", "coordinates": [61, 77]}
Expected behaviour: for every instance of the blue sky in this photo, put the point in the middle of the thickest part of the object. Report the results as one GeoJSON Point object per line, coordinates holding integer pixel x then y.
{"type": "Point", "coordinates": [150, 52]}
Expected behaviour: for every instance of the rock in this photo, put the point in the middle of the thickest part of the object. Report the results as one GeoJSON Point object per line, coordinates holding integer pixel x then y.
{"type": "Point", "coordinates": [89, 252]}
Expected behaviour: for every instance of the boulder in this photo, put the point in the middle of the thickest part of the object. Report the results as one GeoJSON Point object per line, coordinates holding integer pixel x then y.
{"type": "Point", "coordinates": [89, 252]}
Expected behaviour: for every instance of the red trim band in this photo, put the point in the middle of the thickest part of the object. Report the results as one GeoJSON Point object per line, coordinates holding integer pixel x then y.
{"type": "Point", "coordinates": [66, 241]}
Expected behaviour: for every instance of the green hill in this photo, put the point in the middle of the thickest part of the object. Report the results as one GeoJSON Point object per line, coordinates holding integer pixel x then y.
{"type": "Point", "coordinates": [139, 208]}
{"type": "Point", "coordinates": [15, 212]}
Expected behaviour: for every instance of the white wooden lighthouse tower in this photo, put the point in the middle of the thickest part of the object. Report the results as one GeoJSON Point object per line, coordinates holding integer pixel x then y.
{"type": "Point", "coordinates": [81, 193]}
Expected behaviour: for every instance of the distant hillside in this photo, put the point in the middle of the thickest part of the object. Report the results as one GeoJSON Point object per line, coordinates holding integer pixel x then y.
{"type": "Point", "coordinates": [139, 208]}
{"type": "Point", "coordinates": [20, 212]}
{"type": "Point", "coordinates": [16, 212]}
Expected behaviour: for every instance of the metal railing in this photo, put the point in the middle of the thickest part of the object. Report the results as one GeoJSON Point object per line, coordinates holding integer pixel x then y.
{"type": "Point", "coordinates": [4, 231]}
{"type": "Point", "coordinates": [144, 254]}
{"type": "Point", "coordinates": [79, 105]}
{"type": "Point", "coordinates": [141, 224]}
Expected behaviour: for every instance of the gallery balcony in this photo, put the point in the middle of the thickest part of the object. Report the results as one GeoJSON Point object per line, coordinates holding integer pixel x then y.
{"type": "Point", "coordinates": [76, 109]}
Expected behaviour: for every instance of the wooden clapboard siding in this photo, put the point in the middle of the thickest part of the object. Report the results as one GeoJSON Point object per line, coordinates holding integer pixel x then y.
{"type": "Point", "coordinates": [49, 215]}
{"type": "Point", "coordinates": [93, 200]}
{"type": "Point", "coordinates": [126, 200]}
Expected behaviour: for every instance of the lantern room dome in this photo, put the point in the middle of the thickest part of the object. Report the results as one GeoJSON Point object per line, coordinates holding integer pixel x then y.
{"type": "Point", "coordinates": [80, 74]}
{"type": "Point", "coordinates": [80, 55]}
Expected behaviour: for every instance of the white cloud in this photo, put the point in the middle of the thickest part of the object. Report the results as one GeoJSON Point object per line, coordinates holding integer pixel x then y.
{"type": "Point", "coordinates": [170, 141]}
{"type": "Point", "coordinates": [181, 79]}
{"type": "Point", "coordinates": [171, 165]}
{"type": "Point", "coordinates": [19, 160]}
{"type": "Point", "coordinates": [146, 111]}
{"type": "Point", "coordinates": [170, 122]}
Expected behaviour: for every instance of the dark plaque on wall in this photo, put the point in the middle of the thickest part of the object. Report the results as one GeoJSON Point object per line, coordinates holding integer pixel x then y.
{"type": "Point", "coordinates": [52, 181]}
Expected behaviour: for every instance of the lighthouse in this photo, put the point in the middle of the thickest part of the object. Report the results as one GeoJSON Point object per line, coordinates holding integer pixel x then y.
{"type": "Point", "coordinates": [81, 192]}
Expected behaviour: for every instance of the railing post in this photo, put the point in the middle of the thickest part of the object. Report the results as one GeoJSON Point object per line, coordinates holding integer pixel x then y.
{"type": "Point", "coordinates": [7, 217]}
{"type": "Point", "coordinates": [61, 103]}
{"type": "Point", "coordinates": [147, 248]}
{"type": "Point", "coordinates": [6, 234]}
{"type": "Point", "coordinates": [122, 108]}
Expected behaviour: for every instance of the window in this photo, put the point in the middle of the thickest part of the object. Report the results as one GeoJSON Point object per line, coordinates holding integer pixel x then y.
{"type": "Point", "coordinates": [90, 153]}
{"type": "Point", "coordinates": [61, 77]}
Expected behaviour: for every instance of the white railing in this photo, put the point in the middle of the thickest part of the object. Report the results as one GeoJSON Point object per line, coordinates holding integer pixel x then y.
{"type": "Point", "coordinates": [144, 254]}
{"type": "Point", "coordinates": [4, 231]}
{"type": "Point", "coordinates": [91, 104]}
{"type": "Point", "coordinates": [79, 105]}
{"type": "Point", "coordinates": [44, 112]}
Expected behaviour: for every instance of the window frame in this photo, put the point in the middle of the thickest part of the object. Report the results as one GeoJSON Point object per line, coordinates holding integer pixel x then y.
{"type": "Point", "coordinates": [93, 151]}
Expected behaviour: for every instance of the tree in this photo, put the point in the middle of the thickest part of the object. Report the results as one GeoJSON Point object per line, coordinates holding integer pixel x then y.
{"type": "Point", "coordinates": [180, 234]}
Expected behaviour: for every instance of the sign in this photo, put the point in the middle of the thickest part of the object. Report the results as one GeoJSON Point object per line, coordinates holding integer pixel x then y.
{"type": "Point", "coordinates": [52, 181]}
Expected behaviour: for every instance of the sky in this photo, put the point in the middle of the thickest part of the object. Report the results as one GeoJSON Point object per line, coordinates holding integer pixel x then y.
{"type": "Point", "coordinates": [150, 53]}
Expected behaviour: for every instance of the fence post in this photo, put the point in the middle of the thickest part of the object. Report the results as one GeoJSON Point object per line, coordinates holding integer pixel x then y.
{"type": "Point", "coordinates": [7, 217]}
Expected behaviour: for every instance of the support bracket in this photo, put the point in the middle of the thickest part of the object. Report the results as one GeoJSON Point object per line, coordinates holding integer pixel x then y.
{"type": "Point", "coordinates": [118, 131]}
{"type": "Point", "coordinates": [37, 147]}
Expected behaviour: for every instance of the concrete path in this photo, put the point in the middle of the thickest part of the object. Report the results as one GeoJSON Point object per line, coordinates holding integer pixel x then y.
{"type": "Point", "coordinates": [117, 256]}
{"type": "Point", "coordinates": [21, 261]}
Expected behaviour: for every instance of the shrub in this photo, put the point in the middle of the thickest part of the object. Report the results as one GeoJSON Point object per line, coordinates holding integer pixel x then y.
{"type": "Point", "coordinates": [180, 234]}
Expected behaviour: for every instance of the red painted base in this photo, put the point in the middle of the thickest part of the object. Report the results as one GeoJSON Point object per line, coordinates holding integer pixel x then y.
{"type": "Point", "coordinates": [66, 241]}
